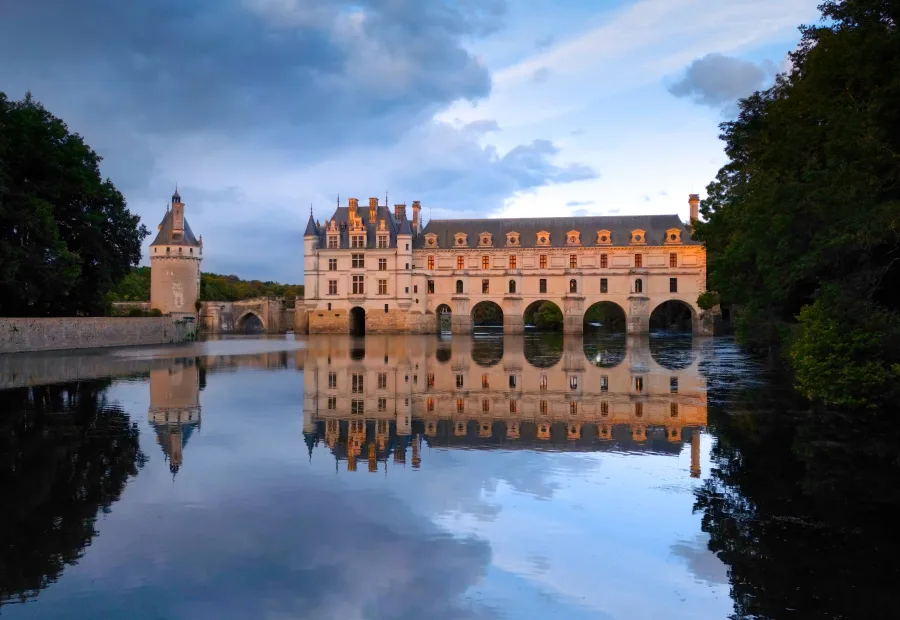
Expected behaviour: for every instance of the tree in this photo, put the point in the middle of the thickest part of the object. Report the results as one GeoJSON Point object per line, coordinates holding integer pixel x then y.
{"type": "Point", "coordinates": [67, 234]}
{"type": "Point", "coordinates": [811, 194]}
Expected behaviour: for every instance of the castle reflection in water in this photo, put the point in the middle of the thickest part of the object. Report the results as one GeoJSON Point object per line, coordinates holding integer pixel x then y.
{"type": "Point", "coordinates": [383, 398]}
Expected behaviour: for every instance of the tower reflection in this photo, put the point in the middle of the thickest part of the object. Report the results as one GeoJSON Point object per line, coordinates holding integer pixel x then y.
{"type": "Point", "coordinates": [175, 408]}
{"type": "Point", "coordinates": [539, 392]}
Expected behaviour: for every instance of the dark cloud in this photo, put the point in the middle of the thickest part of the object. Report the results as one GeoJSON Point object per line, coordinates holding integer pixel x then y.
{"type": "Point", "coordinates": [482, 173]}
{"type": "Point", "coordinates": [540, 76]}
{"type": "Point", "coordinates": [351, 71]}
{"type": "Point", "coordinates": [544, 42]}
{"type": "Point", "coordinates": [579, 203]}
{"type": "Point", "coordinates": [716, 80]}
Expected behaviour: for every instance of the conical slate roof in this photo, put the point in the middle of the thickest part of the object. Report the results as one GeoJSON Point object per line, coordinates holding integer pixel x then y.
{"type": "Point", "coordinates": [311, 228]}
{"type": "Point", "coordinates": [165, 236]}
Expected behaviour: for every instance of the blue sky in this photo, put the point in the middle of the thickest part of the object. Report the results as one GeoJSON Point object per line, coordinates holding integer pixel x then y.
{"type": "Point", "coordinates": [260, 108]}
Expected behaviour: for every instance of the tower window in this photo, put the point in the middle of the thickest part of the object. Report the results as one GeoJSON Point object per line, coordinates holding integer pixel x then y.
{"type": "Point", "coordinates": [168, 250]}
{"type": "Point", "coordinates": [431, 286]}
{"type": "Point", "coordinates": [460, 262]}
{"type": "Point", "coordinates": [673, 385]}
{"type": "Point", "coordinates": [638, 286]}
{"type": "Point", "coordinates": [604, 285]}
{"type": "Point", "coordinates": [543, 261]}
{"type": "Point", "coordinates": [459, 381]}
{"type": "Point", "coordinates": [431, 262]}
{"type": "Point", "coordinates": [604, 261]}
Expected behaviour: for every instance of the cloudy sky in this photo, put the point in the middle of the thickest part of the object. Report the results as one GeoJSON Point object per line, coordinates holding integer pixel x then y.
{"type": "Point", "coordinates": [260, 108]}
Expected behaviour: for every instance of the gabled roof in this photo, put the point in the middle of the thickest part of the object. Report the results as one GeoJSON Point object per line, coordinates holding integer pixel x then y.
{"type": "Point", "coordinates": [165, 236]}
{"type": "Point", "coordinates": [620, 228]}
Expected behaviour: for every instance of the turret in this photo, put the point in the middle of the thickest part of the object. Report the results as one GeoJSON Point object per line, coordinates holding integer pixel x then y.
{"type": "Point", "coordinates": [175, 257]}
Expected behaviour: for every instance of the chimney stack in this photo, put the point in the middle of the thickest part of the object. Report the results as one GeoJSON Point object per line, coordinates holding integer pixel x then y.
{"type": "Point", "coordinates": [373, 209]}
{"type": "Point", "coordinates": [352, 204]}
{"type": "Point", "coordinates": [694, 201]}
{"type": "Point", "coordinates": [399, 212]}
{"type": "Point", "coordinates": [415, 221]}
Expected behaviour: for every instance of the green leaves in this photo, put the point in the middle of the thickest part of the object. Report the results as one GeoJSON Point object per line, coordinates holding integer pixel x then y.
{"type": "Point", "coordinates": [67, 236]}
{"type": "Point", "coordinates": [811, 199]}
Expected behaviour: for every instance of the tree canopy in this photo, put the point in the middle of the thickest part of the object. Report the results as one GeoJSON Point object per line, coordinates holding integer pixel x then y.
{"type": "Point", "coordinates": [68, 236]}
{"type": "Point", "coordinates": [135, 286]}
{"type": "Point", "coordinates": [804, 220]}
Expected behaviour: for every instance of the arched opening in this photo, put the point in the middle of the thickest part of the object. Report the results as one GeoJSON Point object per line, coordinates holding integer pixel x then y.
{"type": "Point", "coordinates": [357, 321]}
{"type": "Point", "coordinates": [673, 315]}
{"type": "Point", "coordinates": [357, 350]}
{"type": "Point", "coordinates": [250, 323]}
{"type": "Point", "coordinates": [604, 349]}
{"type": "Point", "coordinates": [543, 315]}
{"type": "Point", "coordinates": [605, 316]}
{"type": "Point", "coordinates": [487, 352]}
{"type": "Point", "coordinates": [638, 286]}
{"type": "Point", "coordinates": [487, 315]}
{"type": "Point", "coordinates": [512, 287]}
{"type": "Point", "coordinates": [444, 318]}
{"type": "Point", "coordinates": [543, 349]}
{"type": "Point", "coordinates": [459, 287]}
{"type": "Point", "coordinates": [573, 285]}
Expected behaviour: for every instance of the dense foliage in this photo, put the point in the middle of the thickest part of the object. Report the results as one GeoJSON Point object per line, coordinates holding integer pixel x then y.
{"type": "Point", "coordinates": [803, 224]}
{"type": "Point", "coordinates": [66, 236]}
{"type": "Point", "coordinates": [135, 286]}
{"type": "Point", "coordinates": [544, 315]}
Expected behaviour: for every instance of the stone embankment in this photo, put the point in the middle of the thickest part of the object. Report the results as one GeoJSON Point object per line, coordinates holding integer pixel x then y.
{"type": "Point", "coordinates": [50, 334]}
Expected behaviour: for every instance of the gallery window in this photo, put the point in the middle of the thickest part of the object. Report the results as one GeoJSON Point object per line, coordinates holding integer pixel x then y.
{"type": "Point", "coordinates": [573, 261]}
{"type": "Point", "coordinates": [512, 287]}
{"type": "Point", "coordinates": [673, 285]}
{"type": "Point", "coordinates": [604, 285]}
{"type": "Point", "coordinates": [604, 261]}
{"type": "Point", "coordinates": [431, 262]}
{"type": "Point", "coordinates": [673, 259]}
{"type": "Point", "coordinates": [485, 262]}
{"type": "Point", "coordinates": [485, 287]}
{"type": "Point", "coordinates": [512, 261]}
{"type": "Point", "coordinates": [460, 262]}
{"type": "Point", "coordinates": [543, 261]}
{"type": "Point", "coordinates": [459, 287]}
{"type": "Point", "coordinates": [431, 286]}
{"type": "Point", "coordinates": [638, 260]}
{"type": "Point", "coordinates": [573, 286]}
{"type": "Point", "coordinates": [542, 284]}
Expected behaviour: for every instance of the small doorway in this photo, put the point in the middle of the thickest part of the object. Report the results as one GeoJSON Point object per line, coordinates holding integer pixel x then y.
{"type": "Point", "coordinates": [357, 321]}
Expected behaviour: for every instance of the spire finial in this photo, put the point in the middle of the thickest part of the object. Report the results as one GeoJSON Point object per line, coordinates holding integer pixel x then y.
{"type": "Point", "coordinates": [310, 209]}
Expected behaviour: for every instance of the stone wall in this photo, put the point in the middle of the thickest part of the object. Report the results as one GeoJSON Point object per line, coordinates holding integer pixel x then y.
{"type": "Point", "coordinates": [48, 334]}
{"type": "Point", "coordinates": [122, 308]}
{"type": "Point", "coordinates": [329, 322]}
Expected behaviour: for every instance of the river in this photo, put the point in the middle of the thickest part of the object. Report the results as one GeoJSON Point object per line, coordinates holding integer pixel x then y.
{"type": "Point", "coordinates": [395, 477]}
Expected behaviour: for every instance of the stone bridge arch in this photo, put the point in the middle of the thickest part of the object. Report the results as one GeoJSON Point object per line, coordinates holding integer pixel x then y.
{"type": "Point", "coordinates": [245, 322]}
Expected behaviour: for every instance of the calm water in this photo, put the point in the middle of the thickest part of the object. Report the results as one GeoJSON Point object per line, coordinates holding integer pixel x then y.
{"type": "Point", "coordinates": [412, 477]}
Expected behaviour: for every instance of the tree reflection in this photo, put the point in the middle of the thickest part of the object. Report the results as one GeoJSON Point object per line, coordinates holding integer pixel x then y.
{"type": "Point", "coordinates": [65, 454]}
{"type": "Point", "coordinates": [801, 510]}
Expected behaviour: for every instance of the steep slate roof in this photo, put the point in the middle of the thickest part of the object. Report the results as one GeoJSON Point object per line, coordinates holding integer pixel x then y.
{"type": "Point", "coordinates": [655, 227]}
{"type": "Point", "coordinates": [166, 237]}
{"type": "Point", "coordinates": [311, 230]}
{"type": "Point", "coordinates": [342, 215]}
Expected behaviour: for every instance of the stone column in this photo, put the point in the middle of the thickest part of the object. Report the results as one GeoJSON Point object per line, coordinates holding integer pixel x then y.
{"type": "Point", "coordinates": [695, 453]}
{"type": "Point", "coordinates": [513, 323]}
{"type": "Point", "coordinates": [638, 314]}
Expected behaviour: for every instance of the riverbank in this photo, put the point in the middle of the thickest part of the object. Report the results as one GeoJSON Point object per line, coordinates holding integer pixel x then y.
{"type": "Point", "coordinates": [19, 335]}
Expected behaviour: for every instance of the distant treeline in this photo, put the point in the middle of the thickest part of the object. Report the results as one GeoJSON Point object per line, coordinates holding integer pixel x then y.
{"type": "Point", "coordinates": [213, 287]}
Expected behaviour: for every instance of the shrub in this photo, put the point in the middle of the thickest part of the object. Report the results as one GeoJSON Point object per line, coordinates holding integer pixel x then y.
{"type": "Point", "coordinates": [135, 312]}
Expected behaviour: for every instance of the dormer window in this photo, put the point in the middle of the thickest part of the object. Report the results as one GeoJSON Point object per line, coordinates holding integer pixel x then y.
{"type": "Point", "coordinates": [460, 239]}
{"type": "Point", "coordinates": [573, 237]}
{"type": "Point", "coordinates": [485, 240]}
{"type": "Point", "coordinates": [604, 237]}
{"type": "Point", "coordinates": [673, 235]}
{"type": "Point", "coordinates": [431, 240]}
{"type": "Point", "coordinates": [512, 238]}
{"type": "Point", "coordinates": [543, 238]}
{"type": "Point", "coordinates": [357, 241]}
{"type": "Point", "coordinates": [382, 241]}
{"type": "Point", "coordinates": [333, 242]}
{"type": "Point", "coordinates": [638, 237]}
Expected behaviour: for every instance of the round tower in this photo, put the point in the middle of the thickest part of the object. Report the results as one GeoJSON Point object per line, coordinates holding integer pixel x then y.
{"type": "Point", "coordinates": [175, 257]}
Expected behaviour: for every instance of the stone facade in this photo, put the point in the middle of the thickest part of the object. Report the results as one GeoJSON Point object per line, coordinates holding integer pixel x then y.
{"type": "Point", "coordinates": [175, 256]}
{"type": "Point", "coordinates": [403, 276]}
{"type": "Point", "coordinates": [47, 334]}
